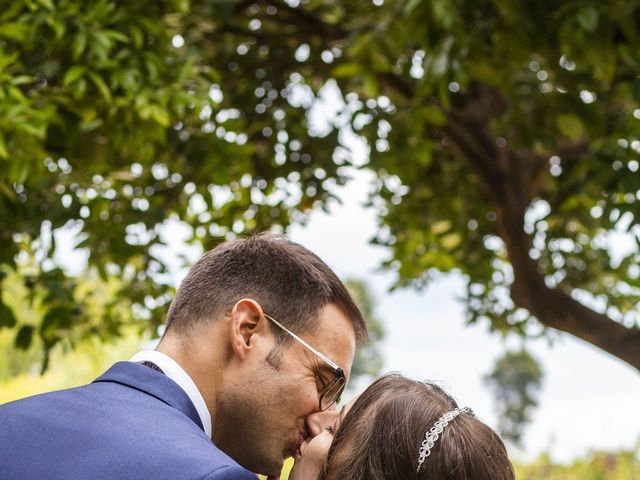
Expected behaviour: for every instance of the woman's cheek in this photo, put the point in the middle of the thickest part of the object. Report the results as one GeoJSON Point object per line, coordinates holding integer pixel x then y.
{"type": "Point", "coordinates": [323, 442]}
{"type": "Point", "coordinates": [315, 455]}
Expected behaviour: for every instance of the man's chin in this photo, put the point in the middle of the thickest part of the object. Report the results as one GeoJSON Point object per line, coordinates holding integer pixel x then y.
{"type": "Point", "coordinates": [275, 473]}
{"type": "Point", "coordinates": [272, 469]}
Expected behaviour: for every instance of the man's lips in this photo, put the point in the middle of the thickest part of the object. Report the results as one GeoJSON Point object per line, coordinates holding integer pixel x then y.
{"type": "Point", "coordinates": [301, 440]}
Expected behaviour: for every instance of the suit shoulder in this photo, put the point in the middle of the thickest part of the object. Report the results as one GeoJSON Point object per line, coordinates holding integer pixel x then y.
{"type": "Point", "coordinates": [231, 472]}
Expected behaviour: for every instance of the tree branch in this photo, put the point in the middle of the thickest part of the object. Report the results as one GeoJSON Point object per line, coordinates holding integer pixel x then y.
{"type": "Point", "coordinates": [556, 309]}
{"type": "Point", "coordinates": [510, 178]}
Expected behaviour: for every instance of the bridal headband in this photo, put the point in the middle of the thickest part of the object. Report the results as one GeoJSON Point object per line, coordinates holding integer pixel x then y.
{"type": "Point", "coordinates": [432, 435]}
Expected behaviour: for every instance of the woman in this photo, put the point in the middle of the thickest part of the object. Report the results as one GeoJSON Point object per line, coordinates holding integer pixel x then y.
{"type": "Point", "coordinates": [405, 430]}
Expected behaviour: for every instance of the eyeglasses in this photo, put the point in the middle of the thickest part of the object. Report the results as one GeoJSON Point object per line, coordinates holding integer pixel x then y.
{"type": "Point", "coordinates": [330, 393]}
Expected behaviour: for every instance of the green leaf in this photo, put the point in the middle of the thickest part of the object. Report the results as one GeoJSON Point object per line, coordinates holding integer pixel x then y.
{"type": "Point", "coordinates": [6, 60]}
{"type": "Point", "coordinates": [411, 5]}
{"type": "Point", "coordinates": [52, 320]}
{"type": "Point", "coordinates": [18, 171]}
{"type": "Point", "coordinates": [89, 126]}
{"type": "Point", "coordinates": [24, 337]}
{"type": "Point", "coordinates": [79, 88]}
{"type": "Point", "coordinates": [570, 126]}
{"type": "Point", "coordinates": [159, 114]}
{"type": "Point", "coordinates": [378, 61]}
{"type": "Point", "coordinates": [443, 13]}
{"type": "Point", "coordinates": [588, 18]}
{"type": "Point", "coordinates": [370, 86]}
{"type": "Point", "coordinates": [48, 4]}
{"type": "Point", "coordinates": [117, 36]}
{"type": "Point", "coordinates": [4, 153]}
{"type": "Point", "coordinates": [182, 6]}
{"type": "Point", "coordinates": [7, 318]}
{"type": "Point", "coordinates": [101, 86]}
{"type": "Point", "coordinates": [186, 70]}
{"type": "Point", "coordinates": [22, 80]}
{"type": "Point", "coordinates": [441, 226]}
{"type": "Point", "coordinates": [346, 70]}
{"type": "Point", "coordinates": [8, 192]}
{"type": "Point", "coordinates": [38, 131]}
{"type": "Point", "coordinates": [57, 26]}
{"type": "Point", "coordinates": [14, 31]}
{"type": "Point", "coordinates": [433, 115]}
{"type": "Point", "coordinates": [152, 68]}
{"type": "Point", "coordinates": [451, 241]}
{"type": "Point", "coordinates": [79, 44]}
{"type": "Point", "coordinates": [137, 36]}
{"type": "Point", "coordinates": [73, 74]}
{"type": "Point", "coordinates": [102, 271]}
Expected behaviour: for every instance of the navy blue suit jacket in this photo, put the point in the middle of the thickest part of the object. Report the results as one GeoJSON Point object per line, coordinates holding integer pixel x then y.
{"type": "Point", "coordinates": [131, 423]}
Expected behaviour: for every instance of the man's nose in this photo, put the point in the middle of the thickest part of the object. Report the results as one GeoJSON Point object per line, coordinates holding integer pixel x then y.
{"type": "Point", "coordinates": [317, 422]}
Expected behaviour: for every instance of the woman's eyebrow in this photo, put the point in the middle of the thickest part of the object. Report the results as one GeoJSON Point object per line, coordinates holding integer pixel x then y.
{"type": "Point", "coordinates": [341, 415]}
{"type": "Point", "coordinates": [338, 421]}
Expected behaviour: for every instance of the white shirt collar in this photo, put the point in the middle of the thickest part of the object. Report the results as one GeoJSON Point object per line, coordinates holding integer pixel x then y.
{"type": "Point", "coordinates": [176, 373]}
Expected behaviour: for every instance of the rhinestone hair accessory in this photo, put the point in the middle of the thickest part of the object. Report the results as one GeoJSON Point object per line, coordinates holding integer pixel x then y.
{"type": "Point", "coordinates": [432, 435]}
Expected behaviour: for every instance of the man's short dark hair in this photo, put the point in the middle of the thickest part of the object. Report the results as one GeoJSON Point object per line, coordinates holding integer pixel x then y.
{"type": "Point", "coordinates": [289, 282]}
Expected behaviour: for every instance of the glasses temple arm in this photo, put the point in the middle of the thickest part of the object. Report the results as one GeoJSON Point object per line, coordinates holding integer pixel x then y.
{"type": "Point", "coordinates": [319, 354]}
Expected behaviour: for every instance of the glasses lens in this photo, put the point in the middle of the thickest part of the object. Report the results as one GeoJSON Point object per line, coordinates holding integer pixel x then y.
{"type": "Point", "coordinates": [332, 393]}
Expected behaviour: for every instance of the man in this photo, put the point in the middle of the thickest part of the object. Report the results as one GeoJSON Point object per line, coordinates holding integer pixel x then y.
{"type": "Point", "coordinates": [261, 335]}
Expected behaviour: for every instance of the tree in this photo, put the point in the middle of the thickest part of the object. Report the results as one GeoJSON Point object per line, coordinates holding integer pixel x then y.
{"type": "Point", "coordinates": [515, 380]}
{"type": "Point", "coordinates": [618, 465]}
{"type": "Point", "coordinates": [109, 126]}
{"type": "Point", "coordinates": [504, 141]}
{"type": "Point", "coordinates": [503, 135]}
{"type": "Point", "coordinates": [368, 361]}
{"type": "Point", "coordinates": [107, 319]}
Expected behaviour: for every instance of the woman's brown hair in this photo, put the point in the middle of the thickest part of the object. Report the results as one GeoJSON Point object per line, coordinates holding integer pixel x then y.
{"type": "Point", "coordinates": [381, 435]}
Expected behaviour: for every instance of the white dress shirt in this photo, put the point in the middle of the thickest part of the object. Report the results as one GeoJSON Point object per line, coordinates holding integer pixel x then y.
{"type": "Point", "coordinates": [176, 373]}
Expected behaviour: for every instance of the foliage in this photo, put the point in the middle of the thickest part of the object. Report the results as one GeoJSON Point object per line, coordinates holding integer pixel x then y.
{"type": "Point", "coordinates": [34, 306]}
{"type": "Point", "coordinates": [503, 135]}
{"type": "Point", "coordinates": [516, 380]}
{"type": "Point", "coordinates": [69, 368]}
{"type": "Point", "coordinates": [622, 465]}
{"type": "Point", "coordinates": [505, 140]}
{"type": "Point", "coordinates": [109, 127]}
{"type": "Point", "coordinates": [368, 361]}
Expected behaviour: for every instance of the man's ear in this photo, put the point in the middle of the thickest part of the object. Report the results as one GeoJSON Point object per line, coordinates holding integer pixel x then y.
{"type": "Point", "coordinates": [246, 318]}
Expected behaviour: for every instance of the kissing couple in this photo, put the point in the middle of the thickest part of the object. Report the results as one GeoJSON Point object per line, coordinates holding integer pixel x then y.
{"type": "Point", "coordinates": [257, 350]}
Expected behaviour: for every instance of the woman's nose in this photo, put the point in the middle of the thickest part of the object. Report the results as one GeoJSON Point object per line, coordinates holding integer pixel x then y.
{"type": "Point", "coordinates": [317, 422]}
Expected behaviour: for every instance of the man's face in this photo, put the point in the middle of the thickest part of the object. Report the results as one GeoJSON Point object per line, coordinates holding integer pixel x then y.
{"type": "Point", "coordinates": [261, 417]}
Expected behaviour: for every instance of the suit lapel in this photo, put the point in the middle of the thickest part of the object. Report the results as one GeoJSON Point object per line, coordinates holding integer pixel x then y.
{"type": "Point", "coordinates": [154, 383]}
